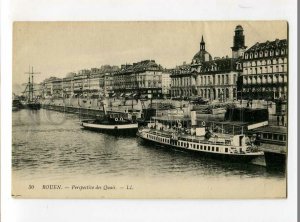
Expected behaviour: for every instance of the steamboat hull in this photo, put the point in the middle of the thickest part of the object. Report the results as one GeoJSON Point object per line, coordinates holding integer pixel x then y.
{"type": "Point", "coordinates": [238, 158]}
{"type": "Point", "coordinates": [118, 130]}
{"type": "Point", "coordinates": [275, 160]}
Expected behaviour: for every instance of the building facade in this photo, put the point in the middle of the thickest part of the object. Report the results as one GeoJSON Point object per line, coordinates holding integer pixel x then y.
{"type": "Point", "coordinates": [213, 79]}
{"type": "Point", "coordinates": [183, 82]}
{"type": "Point", "coordinates": [265, 71]}
{"type": "Point", "coordinates": [68, 85]}
{"type": "Point", "coordinates": [142, 79]}
{"type": "Point", "coordinates": [217, 79]}
{"type": "Point", "coordinates": [166, 84]}
{"type": "Point", "coordinates": [52, 88]}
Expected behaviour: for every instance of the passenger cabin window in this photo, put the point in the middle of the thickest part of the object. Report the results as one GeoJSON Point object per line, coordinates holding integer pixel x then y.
{"type": "Point", "coordinates": [281, 137]}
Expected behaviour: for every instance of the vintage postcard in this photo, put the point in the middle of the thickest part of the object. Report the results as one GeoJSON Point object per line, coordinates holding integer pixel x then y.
{"type": "Point", "coordinates": [150, 109]}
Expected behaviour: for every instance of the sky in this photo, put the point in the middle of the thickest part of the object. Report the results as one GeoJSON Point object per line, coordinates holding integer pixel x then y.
{"type": "Point", "coordinates": [56, 48]}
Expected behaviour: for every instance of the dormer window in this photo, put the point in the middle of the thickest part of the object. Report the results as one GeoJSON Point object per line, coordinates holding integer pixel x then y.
{"type": "Point", "coordinates": [282, 51]}
{"type": "Point", "coordinates": [246, 55]}
{"type": "Point", "coordinates": [266, 53]}
{"type": "Point", "coordinates": [256, 55]}
{"type": "Point", "coordinates": [271, 53]}
{"type": "Point", "coordinates": [277, 52]}
{"type": "Point", "coordinates": [261, 54]}
{"type": "Point", "coordinates": [251, 55]}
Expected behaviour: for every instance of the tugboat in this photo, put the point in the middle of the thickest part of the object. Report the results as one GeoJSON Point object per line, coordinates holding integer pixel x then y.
{"type": "Point", "coordinates": [32, 101]}
{"type": "Point", "coordinates": [201, 140]}
{"type": "Point", "coordinates": [114, 124]}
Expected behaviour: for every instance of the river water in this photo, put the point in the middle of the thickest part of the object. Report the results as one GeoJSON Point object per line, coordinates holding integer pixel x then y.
{"type": "Point", "coordinates": [53, 144]}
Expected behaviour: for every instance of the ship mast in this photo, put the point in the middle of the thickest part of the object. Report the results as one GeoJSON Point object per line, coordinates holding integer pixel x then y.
{"type": "Point", "coordinates": [30, 84]}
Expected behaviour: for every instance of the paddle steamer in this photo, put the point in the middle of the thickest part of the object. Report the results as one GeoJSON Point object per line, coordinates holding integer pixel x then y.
{"type": "Point", "coordinates": [201, 140]}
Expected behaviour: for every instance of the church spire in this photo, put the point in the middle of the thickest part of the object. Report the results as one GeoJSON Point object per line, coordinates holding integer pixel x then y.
{"type": "Point", "coordinates": [202, 44]}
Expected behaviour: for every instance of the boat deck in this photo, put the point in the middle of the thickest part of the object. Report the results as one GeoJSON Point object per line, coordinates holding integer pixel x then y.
{"type": "Point", "coordinates": [190, 138]}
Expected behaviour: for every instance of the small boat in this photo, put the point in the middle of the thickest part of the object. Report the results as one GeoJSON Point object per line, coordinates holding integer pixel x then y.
{"type": "Point", "coordinates": [200, 140]}
{"type": "Point", "coordinates": [113, 125]}
{"type": "Point", "coordinates": [16, 104]}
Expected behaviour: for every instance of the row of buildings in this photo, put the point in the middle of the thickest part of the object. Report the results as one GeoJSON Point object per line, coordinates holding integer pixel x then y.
{"type": "Point", "coordinates": [259, 72]}
{"type": "Point", "coordinates": [144, 79]}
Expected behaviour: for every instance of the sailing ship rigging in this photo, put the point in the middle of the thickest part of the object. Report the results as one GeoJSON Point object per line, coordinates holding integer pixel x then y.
{"type": "Point", "coordinates": [31, 102]}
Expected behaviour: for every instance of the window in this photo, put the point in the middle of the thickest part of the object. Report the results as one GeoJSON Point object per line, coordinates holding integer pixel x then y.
{"type": "Point", "coordinates": [226, 150]}
{"type": "Point", "coordinates": [204, 147]}
{"type": "Point", "coordinates": [208, 148]}
{"type": "Point", "coordinates": [217, 149]}
{"type": "Point", "coordinates": [283, 137]}
{"type": "Point", "coordinates": [212, 149]}
{"type": "Point", "coordinates": [201, 147]}
{"type": "Point", "coordinates": [266, 53]}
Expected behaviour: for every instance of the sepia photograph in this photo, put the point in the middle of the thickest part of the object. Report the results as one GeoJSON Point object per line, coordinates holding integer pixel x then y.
{"type": "Point", "coordinates": [155, 110]}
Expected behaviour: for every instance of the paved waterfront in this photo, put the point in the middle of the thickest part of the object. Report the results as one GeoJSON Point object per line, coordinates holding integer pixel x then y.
{"type": "Point", "coordinates": [53, 143]}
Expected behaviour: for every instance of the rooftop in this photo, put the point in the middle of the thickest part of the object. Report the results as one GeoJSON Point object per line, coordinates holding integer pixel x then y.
{"type": "Point", "coordinates": [272, 129]}
{"type": "Point", "coordinates": [276, 44]}
{"type": "Point", "coordinates": [141, 66]}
